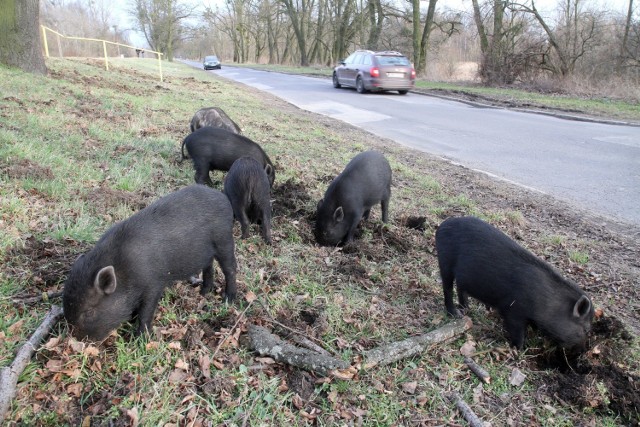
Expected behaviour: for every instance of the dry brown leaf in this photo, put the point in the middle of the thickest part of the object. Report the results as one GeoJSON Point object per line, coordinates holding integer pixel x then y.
{"type": "Point", "coordinates": [15, 327]}
{"type": "Point", "coordinates": [53, 342]}
{"type": "Point", "coordinates": [76, 346]}
{"type": "Point", "coordinates": [181, 364]}
{"type": "Point", "coordinates": [410, 387]}
{"type": "Point", "coordinates": [517, 377]}
{"type": "Point", "coordinates": [152, 345]}
{"type": "Point", "coordinates": [468, 348]}
{"type": "Point", "coordinates": [177, 376]}
{"type": "Point", "coordinates": [175, 345]}
{"type": "Point", "coordinates": [134, 419]}
{"type": "Point", "coordinates": [250, 296]}
{"type": "Point", "coordinates": [218, 364]}
{"type": "Point", "coordinates": [297, 401]}
{"type": "Point", "coordinates": [265, 360]}
{"type": "Point", "coordinates": [74, 389]}
{"type": "Point", "coordinates": [205, 365]}
{"type": "Point", "coordinates": [91, 350]}
{"type": "Point", "coordinates": [344, 374]}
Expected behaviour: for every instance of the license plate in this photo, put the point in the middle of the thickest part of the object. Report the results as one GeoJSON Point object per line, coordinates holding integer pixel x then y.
{"type": "Point", "coordinates": [397, 75]}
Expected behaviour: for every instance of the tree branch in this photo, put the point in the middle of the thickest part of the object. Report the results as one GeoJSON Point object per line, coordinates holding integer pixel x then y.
{"type": "Point", "coordinates": [9, 374]}
{"type": "Point", "coordinates": [393, 352]}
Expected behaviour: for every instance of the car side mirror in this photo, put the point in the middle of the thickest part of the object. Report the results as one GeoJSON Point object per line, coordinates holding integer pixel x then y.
{"type": "Point", "coordinates": [342, 62]}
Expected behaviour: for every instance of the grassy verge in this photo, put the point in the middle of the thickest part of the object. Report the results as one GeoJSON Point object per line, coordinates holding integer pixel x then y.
{"type": "Point", "coordinates": [83, 148]}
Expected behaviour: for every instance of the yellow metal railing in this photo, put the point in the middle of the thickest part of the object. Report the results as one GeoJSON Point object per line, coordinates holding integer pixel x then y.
{"type": "Point", "coordinates": [104, 46]}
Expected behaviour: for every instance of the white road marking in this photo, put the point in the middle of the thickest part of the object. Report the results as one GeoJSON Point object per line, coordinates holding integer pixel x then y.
{"type": "Point", "coordinates": [344, 112]}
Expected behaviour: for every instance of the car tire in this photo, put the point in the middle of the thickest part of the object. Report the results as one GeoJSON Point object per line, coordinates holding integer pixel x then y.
{"type": "Point", "coordinates": [360, 85]}
{"type": "Point", "coordinates": [403, 92]}
{"type": "Point", "coordinates": [336, 82]}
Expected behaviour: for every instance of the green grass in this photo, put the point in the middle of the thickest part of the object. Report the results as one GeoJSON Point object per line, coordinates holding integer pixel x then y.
{"type": "Point", "coordinates": [85, 147]}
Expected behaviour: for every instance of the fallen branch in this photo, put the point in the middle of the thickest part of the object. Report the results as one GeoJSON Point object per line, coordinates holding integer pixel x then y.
{"type": "Point", "coordinates": [266, 344]}
{"type": "Point", "coordinates": [395, 351]}
{"type": "Point", "coordinates": [45, 296]}
{"type": "Point", "coordinates": [466, 411]}
{"type": "Point", "coordinates": [477, 369]}
{"type": "Point", "coordinates": [9, 374]}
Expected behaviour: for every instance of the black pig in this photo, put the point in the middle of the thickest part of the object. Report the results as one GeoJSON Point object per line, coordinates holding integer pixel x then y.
{"type": "Point", "coordinates": [125, 274]}
{"type": "Point", "coordinates": [213, 116]}
{"type": "Point", "coordinates": [247, 187]}
{"type": "Point", "coordinates": [365, 181]}
{"type": "Point", "coordinates": [486, 264]}
{"type": "Point", "coordinates": [216, 149]}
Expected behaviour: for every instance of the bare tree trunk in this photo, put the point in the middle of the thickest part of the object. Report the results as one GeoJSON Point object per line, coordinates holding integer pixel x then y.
{"type": "Point", "coordinates": [426, 33]}
{"type": "Point", "coordinates": [376, 19]}
{"type": "Point", "coordinates": [20, 35]}
{"type": "Point", "coordinates": [482, 31]}
{"type": "Point", "coordinates": [625, 38]}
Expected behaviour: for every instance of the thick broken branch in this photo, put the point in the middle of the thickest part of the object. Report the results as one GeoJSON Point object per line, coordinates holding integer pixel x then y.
{"type": "Point", "coordinates": [265, 343]}
{"type": "Point", "coordinates": [9, 374]}
{"type": "Point", "coordinates": [465, 410]}
{"type": "Point", "coordinates": [395, 351]}
{"type": "Point", "coordinates": [477, 369]}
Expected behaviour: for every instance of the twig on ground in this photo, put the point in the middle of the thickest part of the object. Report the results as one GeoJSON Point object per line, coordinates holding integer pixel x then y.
{"type": "Point", "coordinates": [466, 411]}
{"type": "Point", "coordinates": [395, 351]}
{"type": "Point", "coordinates": [231, 330]}
{"type": "Point", "coordinates": [45, 296]}
{"type": "Point", "coordinates": [9, 374]}
{"type": "Point", "coordinates": [478, 370]}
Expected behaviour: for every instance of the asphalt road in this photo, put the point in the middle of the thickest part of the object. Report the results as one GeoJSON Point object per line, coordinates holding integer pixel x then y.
{"type": "Point", "coordinates": [593, 166]}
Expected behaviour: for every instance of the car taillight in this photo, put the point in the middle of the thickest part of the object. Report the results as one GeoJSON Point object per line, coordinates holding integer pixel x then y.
{"type": "Point", "coordinates": [413, 73]}
{"type": "Point", "coordinates": [374, 71]}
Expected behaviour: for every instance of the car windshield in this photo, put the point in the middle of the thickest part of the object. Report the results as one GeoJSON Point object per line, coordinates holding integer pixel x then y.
{"type": "Point", "coordinates": [392, 60]}
{"type": "Point", "coordinates": [211, 58]}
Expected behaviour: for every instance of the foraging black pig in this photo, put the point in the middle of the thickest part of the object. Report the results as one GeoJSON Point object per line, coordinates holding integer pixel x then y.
{"type": "Point", "coordinates": [247, 187]}
{"type": "Point", "coordinates": [216, 149]}
{"type": "Point", "coordinates": [125, 274]}
{"type": "Point", "coordinates": [486, 264]}
{"type": "Point", "coordinates": [213, 116]}
{"type": "Point", "coordinates": [365, 181]}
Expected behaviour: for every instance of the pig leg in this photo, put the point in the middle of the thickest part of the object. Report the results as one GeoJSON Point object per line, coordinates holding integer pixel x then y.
{"type": "Point", "coordinates": [384, 204]}
{"type": "Point", "coordinates": [266, 227]}
{"type": "Point", "coordinates": [447, 287]}
{"type": "Point", "coordinates": [365, 216]}
{"type": "Point", "coordinates": [355, 220]}
{"type": "Point", "coordinates": [227, 261]}
{"type": "Point", "coordinates": [463, 298]}
{"type": "Point", "coordinates": [207, 278]}
{"type": "Point", "coordinates": [202, 173]}
{"type": "Point", "coordinates": [146, 312]}
{"type": "Point", "coordinates": [244, 223]}
{"type": "Point", "coordinates": [516, 327]}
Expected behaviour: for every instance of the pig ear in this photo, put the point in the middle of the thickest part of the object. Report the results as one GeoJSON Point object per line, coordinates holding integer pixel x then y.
{"type": "Point", "coordinates": [268, 169]}
{"type": "Point", "coordinates": [582, 307]}
{"type": "Point", "coordinates": [106, 280]}
{"type": "Point", "coordinates": [338, 214]}
{"type": "Point", "coordinates": [320, 203]}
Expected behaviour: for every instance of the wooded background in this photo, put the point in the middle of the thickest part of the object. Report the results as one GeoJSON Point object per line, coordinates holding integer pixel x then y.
{"type": "Point", "coordinates": [510, 41]}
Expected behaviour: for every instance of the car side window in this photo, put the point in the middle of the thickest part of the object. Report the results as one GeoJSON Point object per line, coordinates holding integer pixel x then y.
{"type": "Point", "coordinates": [367, 60]}
{"type": "Point", "coordinates": [357, 59]}
{"type": "Point", "coordinates": [350, 59]}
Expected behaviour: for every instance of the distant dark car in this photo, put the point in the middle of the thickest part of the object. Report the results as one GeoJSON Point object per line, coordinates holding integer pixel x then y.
{"type": "Point", "coordinates": [212, 63]}
{"type": "Point", "coordinates": [375, 71]}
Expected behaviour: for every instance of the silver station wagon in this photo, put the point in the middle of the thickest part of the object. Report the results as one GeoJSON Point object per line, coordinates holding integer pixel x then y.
{"type": "Point", "coordinates": [375, 71]}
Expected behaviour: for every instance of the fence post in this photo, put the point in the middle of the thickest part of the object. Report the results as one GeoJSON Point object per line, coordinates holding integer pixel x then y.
{"type": "Point", "coordinates": [44, 38]}
{"type": "Point", "coordinates": [160, 65]}
{"type": "Point", "coordinates": [59, 46]}
{"type": "Point", "coordinates": [106, 60]}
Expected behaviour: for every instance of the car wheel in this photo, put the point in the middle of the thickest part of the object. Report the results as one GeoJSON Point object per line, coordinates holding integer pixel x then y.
{"type": "Point", "coordinates": [403, 92]}
{"type": "Point", "coordinates": [360, 85]}
{"type": "Point", "coordinates": [336, 82]}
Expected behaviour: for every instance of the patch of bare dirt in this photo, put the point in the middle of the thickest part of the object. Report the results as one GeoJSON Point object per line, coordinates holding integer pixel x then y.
{"type": "Point", "coordinates": [25, 168]}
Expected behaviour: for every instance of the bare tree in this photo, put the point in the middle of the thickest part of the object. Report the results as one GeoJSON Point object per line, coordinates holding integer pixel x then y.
{"type": "Point", "coordinates": [162, 23]}
{"type": "Point", "coordinates": [20, 36]}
